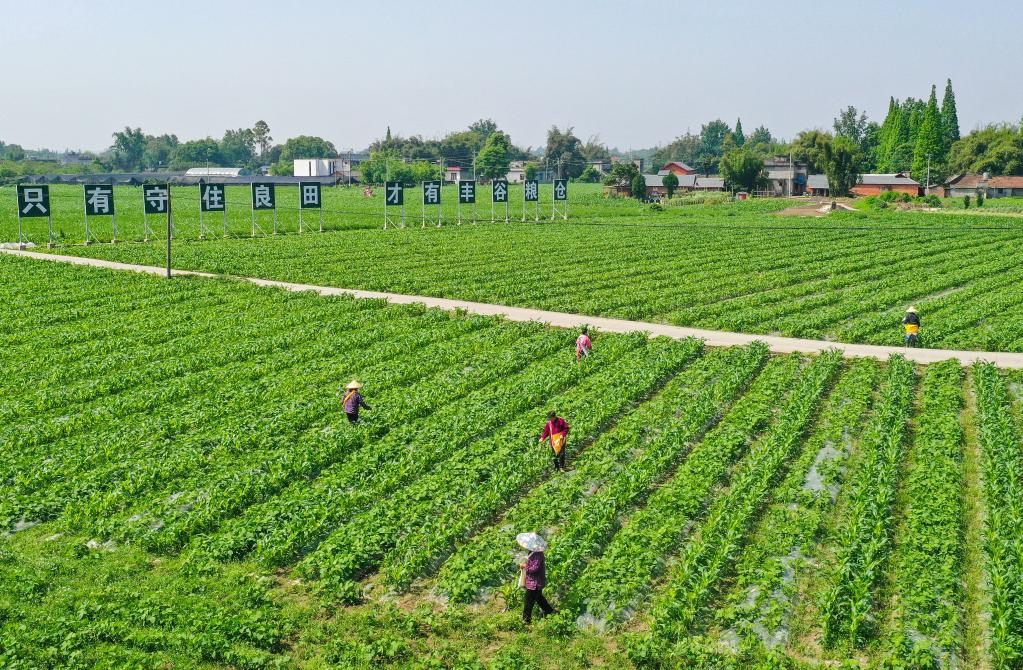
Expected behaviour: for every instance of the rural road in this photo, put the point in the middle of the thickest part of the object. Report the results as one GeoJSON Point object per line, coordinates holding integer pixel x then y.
{"type": "Point", "coordinates": [716, 338]}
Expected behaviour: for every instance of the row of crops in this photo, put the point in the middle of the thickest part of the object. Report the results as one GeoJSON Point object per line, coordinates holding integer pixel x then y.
{"type": "Point", "coordinates": [180, 489]}
{"type": "Point", "coordinates": [839, 278]}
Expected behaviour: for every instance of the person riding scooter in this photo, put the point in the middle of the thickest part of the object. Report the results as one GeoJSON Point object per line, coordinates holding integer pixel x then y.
{"type": "Point", "coordinates": [912, 323]}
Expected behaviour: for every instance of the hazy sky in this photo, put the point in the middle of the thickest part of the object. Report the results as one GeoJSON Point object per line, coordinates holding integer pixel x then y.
{"type": "Point", "coordinates": [635, 73]}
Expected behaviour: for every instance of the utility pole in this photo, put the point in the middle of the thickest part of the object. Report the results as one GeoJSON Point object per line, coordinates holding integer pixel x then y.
{"type": "Point", "coordinates": [928, 174]}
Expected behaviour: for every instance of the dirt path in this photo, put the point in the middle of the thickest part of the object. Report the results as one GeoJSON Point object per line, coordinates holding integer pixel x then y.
{"type": "Point", "coordinates": [714, 338]}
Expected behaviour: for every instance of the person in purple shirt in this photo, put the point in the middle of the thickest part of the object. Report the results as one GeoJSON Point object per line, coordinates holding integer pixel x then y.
{"type": "Point", "coordinates": [353, 401]}
{"type": "Point", "coordinates": [534, 575]}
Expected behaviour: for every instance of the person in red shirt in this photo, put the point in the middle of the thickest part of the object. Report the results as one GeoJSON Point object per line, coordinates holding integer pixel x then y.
{"type": "Point", "coordinates": [583, 345]}
{"type": "Point", "coordinates": [556, 430]}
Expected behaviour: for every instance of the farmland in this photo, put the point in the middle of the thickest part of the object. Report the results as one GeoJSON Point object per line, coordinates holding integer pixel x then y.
{"type": "Point", "coordinates": [180, 488]}
{"type": "Point", "coordinates": [739, 267]}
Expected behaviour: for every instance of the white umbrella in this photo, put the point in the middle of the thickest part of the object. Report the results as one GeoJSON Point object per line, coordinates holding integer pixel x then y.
{"type": "Point", "coordinates": [531, 542]}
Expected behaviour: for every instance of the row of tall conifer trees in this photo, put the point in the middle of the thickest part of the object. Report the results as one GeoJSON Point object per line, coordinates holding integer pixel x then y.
{"type": "Point", "coordinates": [914, 129]}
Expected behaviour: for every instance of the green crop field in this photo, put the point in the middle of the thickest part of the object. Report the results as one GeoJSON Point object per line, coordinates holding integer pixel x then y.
{"type": "Point", "coordinates": [740, 267]}
{"type": "Point", "coordinates": [180, 488]}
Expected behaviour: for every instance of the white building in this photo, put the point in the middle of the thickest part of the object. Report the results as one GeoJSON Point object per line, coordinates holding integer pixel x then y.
{"type": "Point", "coordinates": [216, 172]}
{"type": "Point", "coordinates": [516, 172]}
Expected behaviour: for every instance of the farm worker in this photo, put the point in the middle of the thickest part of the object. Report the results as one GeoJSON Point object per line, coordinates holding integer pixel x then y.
{"type": "Point", "coordinates": [353, 401]}
{"type": "Point", "coordinates": [583, 345]}
{"type": "Point", "coordinates": [533, 575]}
{"type": "Point", "coordinates": [912, 323]}
{"type": "Point", "coordinates": [556, 430]}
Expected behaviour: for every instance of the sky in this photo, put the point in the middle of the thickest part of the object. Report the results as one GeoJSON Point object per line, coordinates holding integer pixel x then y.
{"type": "Point", "coordinates": [636, 74]}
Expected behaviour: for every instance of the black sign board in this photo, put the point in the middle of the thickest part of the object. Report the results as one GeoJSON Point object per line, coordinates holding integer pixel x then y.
{"type": "Point", "coordinates": [99, 200]}
{"type": "Point", "coordinates": [309, 195]}
{"type": "Point", "coordinates": [156, 198]}
{"type": "Point", "coordinates": [531, 190]}
{"type": "Point", "coordinates": [263, 196]}
{"type": "Point", "coordinates": [431, 192]}
{"type": "Point", "coordinates": [33, 200]}
{"type": "Point", "coordinates": [467, 192]}
{"type": "Point", "coordinates": [394, 192]}
{"type": "Point", "coordinates": [500, 190]}
{"type": "Point", "coordinates": [561, 189]}
{"type": "Point", "coordinates": [212, 198]}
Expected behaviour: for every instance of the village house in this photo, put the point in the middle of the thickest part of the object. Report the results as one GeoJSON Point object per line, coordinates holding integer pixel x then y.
{"type": "Point", "coordinates": [516, 172]}
{"type": "Point", "coordinates": [785, 177]}
{"type": "Point", "coordinates": [655, 184]}
{"type": "Point", "coordinates": [867, 184]}
{"type": "Point", "coordinates": [677, 168]}
{"type": "Point", "coordinates": [992, 187]}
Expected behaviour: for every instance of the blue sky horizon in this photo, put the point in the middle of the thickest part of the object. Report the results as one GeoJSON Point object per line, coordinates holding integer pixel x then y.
{"type": "Point", "coordinates": [635, 74]}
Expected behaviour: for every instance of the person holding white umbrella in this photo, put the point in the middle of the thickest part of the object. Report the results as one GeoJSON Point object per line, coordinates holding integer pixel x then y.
{"type": "Point", "coordinates": [533, 575]}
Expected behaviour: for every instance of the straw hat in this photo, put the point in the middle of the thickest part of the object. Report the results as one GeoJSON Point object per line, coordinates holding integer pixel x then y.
{"type": "Point", "coordinates": [531, 542]}
{"type": "Point", "coordinates": [354, 384]}
{"type": "Point", "coordinates": [911, 310]}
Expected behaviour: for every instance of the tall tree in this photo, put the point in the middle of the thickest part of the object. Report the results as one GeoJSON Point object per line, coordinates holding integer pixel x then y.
{"type": "Point", "coordinates": [949, 117]}
{"type": "Point", "coordinates": [238, 147]}
{"type": "Point", "coordinates": [493, 160]}
{"type": "Point", "coordinates": [737, 135]}
{"type": "Point", "coordinates": [930, 143]}
{"type": "Point", "coordinates": [712, 139]}
{"type": "Point", "coordinates": [670, 183]}
{"type": "Point", "coordinates": [564, 152]}
{"type": "Point", "coordinates": [196, 153]}
{"type": "Point", "coordinates": [129, 146]}
{"type": "Point", "coordinates": [997, 149]}
{"type": "Point", "coordinates": [841, 159]}
{"type": "Point", "coordinates": [852, 124]}
{"type": "Point", "coordinates": [159, 150]}
{"type": "Point", "coordinates": [888, 136]}
{"type": "Point", "coordinates": [307, 146]}
{"type": "Point", "coordinates": [808, 148]}
{"type": "Point", "coordinates": [761, 135]}
{"type": "Point", "coordinates": [484, 128]}
{"type": "Point", "coordinates": [261, 132]}
{"type": "Point", "coordinates": [743, 170]}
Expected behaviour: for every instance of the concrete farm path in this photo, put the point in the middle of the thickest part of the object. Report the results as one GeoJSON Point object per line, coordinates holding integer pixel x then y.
{"type": "Point", "coordinates": [715, 338]}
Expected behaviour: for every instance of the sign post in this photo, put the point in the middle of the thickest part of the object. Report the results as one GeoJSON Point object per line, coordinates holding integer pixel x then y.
{"type": "Point", "coordinates": [467, 195]}
{"type": "Point", "coordinates": [531, 193]}
{"type": "Point", "coordinates": [499, 194]}
{"type": "Point", "coordinates": [560, 196]}
{"type": "Point", "coordinates": [431, 196]}
{"type": "Point", "coordinates": [170, 233]}
{"type": "Point", "coordinates": [394, 196]}
{"type": "Point", "coordinates": [211, 199]}
{"type": "Point", "coordinates": [309, 198]}
{"type": "Point", "coordinates": [34, 202]}
{"type": "Point", "coordinates": [99, 201]}
{"type": "Point", "coordinates": [155, 200]}
{"type": "Point", "coordinates": [263, 197]}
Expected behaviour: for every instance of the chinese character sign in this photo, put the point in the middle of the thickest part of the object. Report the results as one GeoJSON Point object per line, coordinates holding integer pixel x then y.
{"type": "Point", "coordinates": [309, 195]}
{"type": "Point", "coordinates": [431, 192]}
{"type": "Point", "coordinates": [156, 198]}
{"type": "Point", "coordinates": [531, 190]}
{"type": "Point", "coordinates": [99, 200]}
{"type": "Point", "coordinates": [467, 192]}
{"type": "Point", "coordinates": [211, 198]}
{"type": "Point", "coordinates": [263, 196]}
{"type": "Point", "coordinates": [500, 190]}
{"type": "Point", "coordinates": [395, 193]}
{"type": "Point", "coordinates": [33, 200]}
{"type": "Point", "coordinates": [561, 189]}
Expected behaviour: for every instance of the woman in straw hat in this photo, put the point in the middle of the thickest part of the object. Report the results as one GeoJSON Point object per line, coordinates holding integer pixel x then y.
{"type": "Point", "coordinates": [912, 323]}
{"type": "Point", "coordinates": [533, 575]}
{"type": "Point", "coordinates": [353, 401]}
